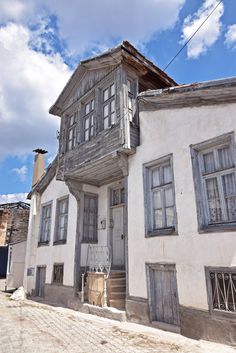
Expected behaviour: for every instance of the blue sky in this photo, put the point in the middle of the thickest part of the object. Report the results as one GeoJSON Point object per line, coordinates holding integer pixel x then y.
{"type": "Point", "coordinates": [42, 41]}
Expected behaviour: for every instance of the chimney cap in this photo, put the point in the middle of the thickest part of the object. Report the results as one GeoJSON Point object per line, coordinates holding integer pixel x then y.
{"type": "Point", "coordinates": [40, 151]}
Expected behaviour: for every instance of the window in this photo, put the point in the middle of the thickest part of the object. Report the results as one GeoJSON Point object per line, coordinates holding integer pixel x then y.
{"type": "Point", "coordinates": [221, 283]}
{"type": "Point", "coordinates": [130, 87]}
{"type": "Point", "coordinates": [45, 226]}
{"type": "Point", "coordinates": [61, 221]}
{"type": "Point", "coordinates": [109, 115]}
{"type": "Point", "coordinates": [57, 276]}
{"type": "Point", "coordinates": [71, 134]}
{"type": "Point", "coordinates": [159, 197]}
{"type": "Point", "coordinates": [89, 120]}
{"type": "Point", "coordinates": [90, 218]}
{"type": "Point", "coordinates": [215, 183]}
{"type": "Point", "coordinates": [117, 196]}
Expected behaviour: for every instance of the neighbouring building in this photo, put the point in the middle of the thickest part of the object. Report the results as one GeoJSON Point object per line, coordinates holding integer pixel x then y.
{"type": "Point", "coordinates": [137, 210]}
{"type": "Point", "coordinates": [14, 219]}
{"type": "Point", "coordinates": [182, 211]}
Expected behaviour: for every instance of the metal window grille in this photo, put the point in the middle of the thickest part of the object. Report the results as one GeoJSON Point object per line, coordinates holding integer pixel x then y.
{"type": "Point", "coordinates": [223, 290]}
{"type": "Point", "coordinates": [58, 273]}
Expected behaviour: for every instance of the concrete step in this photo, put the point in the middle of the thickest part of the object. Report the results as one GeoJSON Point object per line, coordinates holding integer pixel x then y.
{"type": "Point", "coordinates": [117, 295]}
{"type": "Point", "coordinates": [117, 303]}
{"type": "Point", "coordinates": [118, 288]}
{"type": "Point", "coordinates": [117, 274]}
{"type": "Point", "coordinates": [116, 282]}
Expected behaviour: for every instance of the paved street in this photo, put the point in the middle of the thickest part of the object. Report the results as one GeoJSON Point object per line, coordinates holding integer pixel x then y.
{"type": "Point", "coordinates": [35, 327]}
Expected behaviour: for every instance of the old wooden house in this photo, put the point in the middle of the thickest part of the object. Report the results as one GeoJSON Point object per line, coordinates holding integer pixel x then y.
{"type": "Point", "coordinates": [78, 224]}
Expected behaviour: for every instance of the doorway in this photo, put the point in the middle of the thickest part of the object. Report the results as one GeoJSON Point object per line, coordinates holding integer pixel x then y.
{"type": "Point", "coordinates": [40, 281]}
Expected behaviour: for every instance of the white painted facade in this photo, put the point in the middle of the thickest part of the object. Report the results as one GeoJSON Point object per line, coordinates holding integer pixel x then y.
{"type": "Point", "coordinates": [172, 131]}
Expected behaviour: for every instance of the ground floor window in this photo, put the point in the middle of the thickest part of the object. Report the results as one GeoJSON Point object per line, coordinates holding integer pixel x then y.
{"type": "Point", "coordinates": [58, 271]}
{"type": "Point", "coordinates": [222, 288]}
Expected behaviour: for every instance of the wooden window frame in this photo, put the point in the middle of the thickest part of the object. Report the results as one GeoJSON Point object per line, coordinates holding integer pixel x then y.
{"type": "Point", "coordinates": [86, 238]}
{"type": "Point", "coordinates": [150, 231]}
{"type": "Point", "coordinates": [71, 127]}
{"type": "Point", "coordinates": [58, 283]}
{"type": "Point", "coordinates": [108, 102]}
{"type": "Point", "coordinates": [58, 241]}
{"type": "Point", "coordinates": [90, 115]}
{"type": "Point", "coordinates": [197, 151]}
{"type": "Point", "coordinates": [45, 240]}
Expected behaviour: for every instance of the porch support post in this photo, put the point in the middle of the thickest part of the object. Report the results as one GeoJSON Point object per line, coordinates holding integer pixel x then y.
{"type": "Point", "coordinates": [105, 291]}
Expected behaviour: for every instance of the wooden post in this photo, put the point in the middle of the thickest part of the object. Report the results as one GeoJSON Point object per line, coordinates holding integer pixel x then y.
{"type": "Point", "coordinates": [82, 291]}
{"type": "Point", "coordinates": [105, 291]}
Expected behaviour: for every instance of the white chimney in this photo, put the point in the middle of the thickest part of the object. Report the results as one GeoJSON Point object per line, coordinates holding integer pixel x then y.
{"type": "Point", "coordinates": [38, 165]}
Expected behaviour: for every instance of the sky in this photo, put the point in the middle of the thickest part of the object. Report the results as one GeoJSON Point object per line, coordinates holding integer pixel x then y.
{"type": "Point", "coordinates": [42, 42]}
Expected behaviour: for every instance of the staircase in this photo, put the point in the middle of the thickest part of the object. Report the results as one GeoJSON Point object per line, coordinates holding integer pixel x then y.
{"type": "Point", "coordinates": [116, 288]}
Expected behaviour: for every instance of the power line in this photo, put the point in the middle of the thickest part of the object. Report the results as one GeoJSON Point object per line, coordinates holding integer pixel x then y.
{"type": "Point", "coordinates": [192, 36]}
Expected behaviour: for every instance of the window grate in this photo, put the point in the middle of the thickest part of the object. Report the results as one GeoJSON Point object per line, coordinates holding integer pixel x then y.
{"type": "Point", "coordinates": [223, 288]}
{"type": "Point", "coordinates": [58, 273]}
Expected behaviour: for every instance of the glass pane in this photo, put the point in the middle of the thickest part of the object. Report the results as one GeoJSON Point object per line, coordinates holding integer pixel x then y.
{"type": "Point", "coordinates": [70, 134]}
{"type": "Point", "coordinates": [105, 94]}
{"type": "Point", "coordinates": [113, 118]}
{"type": "Point", "coordinates": [87, 108]}
{"type": "Point", "coordinates": [157, 200]}
{"type": "Point", "coordinates": [156, 177]}
{"type": "Point", "coordinates": [91, 131]}
{"type": "Point", "coordinates": [170, 216]}
{"type": "Point", "coordinates": [169, 199]}
{"type": "Point", "coordinates": [115, 197]}
{"type": "Point", "coordinates": [129, 85]}
{"type": "Point", "coordinates": [214, 205]}
{"type": "Point", "coordinates": [129, 102]}
{"type": "Point", "coordinates": [167, 174]}
{"type": "Point", "coordinates": [225, 158]}
{"type": "Point", "coordinates": [72, 120]}
{"type": "Point", "coordinates": [105, 111]}
{"type": "Point", "coordinates": [209, 163]}
{"type": "Point", "coordinates": [86, 135]}
{"type": "Point", "coordinates": [229, 184]}
{"type": "Point", "coordinates": [106, 123]}
{"type": "Point", "coordinates": [112, 89]}
{"type": "Point", "coordinates": [92, 104]}
{"type": "Point", "coordinates": [122, 192]}
{"type": "Point", "coordinates": [87, 123]}
{"type": "Point", "coordinates": [112, 105]}
{"type": "Point", "coordinates": [158, 219]}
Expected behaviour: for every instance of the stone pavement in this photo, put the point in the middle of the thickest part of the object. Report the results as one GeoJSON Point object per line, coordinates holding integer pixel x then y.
{"type": "Point", "coordinates": [30, 327]}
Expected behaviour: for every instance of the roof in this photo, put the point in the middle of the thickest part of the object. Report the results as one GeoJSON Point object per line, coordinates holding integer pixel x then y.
{"type": "Point", "coordinates": [198, 93]}
{"type": "Point", "coordinates": [125, 52]}
{"type": "Point", "coordinates": [20, 205]}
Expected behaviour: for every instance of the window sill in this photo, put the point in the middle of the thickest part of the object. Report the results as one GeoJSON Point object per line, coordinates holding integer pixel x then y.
{"type": "Point", "coordinates": [43, 243]}
{"type": "Point", "coordinates": [217, 228]}
{"type": "Point", "coordinates": [161, 232]}
{"type": "Point", "coordinates": [59, 242]}
{"type": "Point", "coordinates": [220, 314]}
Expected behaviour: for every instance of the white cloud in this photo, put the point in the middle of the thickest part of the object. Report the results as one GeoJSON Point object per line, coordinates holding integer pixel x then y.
{"type": "Point", "coordinates": [230, 36]}
{"type": "Point", "coordinates": [30, 83]}
{"type": "Point", "coordinates": [208, 33]}
{"type": "Point", "coordinates": [8, 198]}
{"type": "Point", "coordinates": [88, 24]}
{"type": "Point", "coordinates": [21, 172]}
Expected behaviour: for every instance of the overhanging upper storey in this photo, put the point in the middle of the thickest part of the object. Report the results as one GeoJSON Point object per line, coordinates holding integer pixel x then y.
{"type": "Point", "coordinates": [99, 117]}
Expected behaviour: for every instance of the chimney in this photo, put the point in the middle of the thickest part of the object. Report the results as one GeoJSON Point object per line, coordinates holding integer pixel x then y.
{"type": "Point", "coordinates": [38, 165]}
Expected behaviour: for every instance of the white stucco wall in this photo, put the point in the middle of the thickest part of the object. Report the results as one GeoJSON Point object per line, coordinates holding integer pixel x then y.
{"type": "Point", "coordinates": [15, 269]}
{"type": "Point", "coordinates": [173, 131]}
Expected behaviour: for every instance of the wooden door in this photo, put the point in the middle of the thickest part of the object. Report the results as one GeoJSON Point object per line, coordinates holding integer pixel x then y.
{"type": "Point", "coordinates": [164, 296]}
{"type": "Point", "coordinates": [40, 281]}
{"type": "Point", "coordinates": [118, 239]}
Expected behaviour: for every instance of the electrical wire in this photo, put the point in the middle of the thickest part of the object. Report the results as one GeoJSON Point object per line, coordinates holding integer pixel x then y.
{"type": "Point", "coordinates": [191, 37]}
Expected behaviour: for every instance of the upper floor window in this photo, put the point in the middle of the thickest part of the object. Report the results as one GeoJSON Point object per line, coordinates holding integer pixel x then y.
{"type": "Point", "coordinates": [45, 225]}
{"type": "Point", "coordinates": [130, 88]}
{"type": "Point", "coordinates": [109, 114]}
{"type": "Point", "coordinates": [159, 197]}
{"type": "Point", "coordinates": [90, 218]}
{"type": "Point", "coordinates": [71, 132]}
{"type": "Point", "coordinates": [89, 120]}
{"type": "Point", "coordinates": [61, 220]}
{"type": "Point", "coordinates": [215, 182]}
